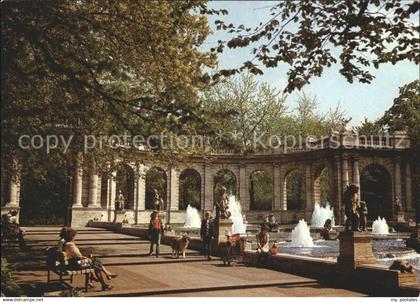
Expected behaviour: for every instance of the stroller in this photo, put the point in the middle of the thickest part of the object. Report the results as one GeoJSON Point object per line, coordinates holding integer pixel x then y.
{"type": "Point", "coordinates": [232, 249]}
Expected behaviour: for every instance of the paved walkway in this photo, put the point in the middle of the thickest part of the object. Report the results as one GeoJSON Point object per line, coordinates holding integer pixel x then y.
{"type": "Point", "coordinates": [142, 275]}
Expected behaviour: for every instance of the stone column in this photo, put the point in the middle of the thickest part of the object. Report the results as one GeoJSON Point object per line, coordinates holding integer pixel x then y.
{"type": "Point", "coordinates": [308, 185]}
{"type": "Point", "coordinates": [14, 192]}
{"type": "Point", "coordinates": [243, 188]}
{"type": "Point", "coordinates": [93, 190]}
{"type": "Point", "coordinates": [141, 188]}
{"type": "Point", "coordinates": [111, 195]}
{"type": "Point", "coordinates": [408, 190]}
{"type": "Point", "coordinates": [277, 187]}
{"type": "Point", "coordinates": [208, 187]}
{"type": "Point", "coordinates": [345, 172]}
{"type": "Point", "coordinates": [338, 209]}
{"type": "Point", "coordinates": [77, 186]}
{"type": "Point", "coordinates": [356, 172]}
{"type": "Point", "coordinates": [397, 178]}
{"type": "Point", "coordinates": [283, 184]}
{"type": "Point", "coordinates": [173, 189]}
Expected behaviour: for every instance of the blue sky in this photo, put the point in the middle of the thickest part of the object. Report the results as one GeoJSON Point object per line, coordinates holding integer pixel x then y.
{"type": "Point", "coordinates": [357, 100]}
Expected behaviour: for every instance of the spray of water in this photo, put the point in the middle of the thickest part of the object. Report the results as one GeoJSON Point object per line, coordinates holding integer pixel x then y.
{"type": "Point", "coordinates": [236, 215]}
{"type": "Point", "coordinates": [301, 236]}
{"type": "Point", "coordinates": [192, 218]}
{"type": "Point", "coordinates": [380, 227]}
{"type": "Point", "coordinates": [321, 214]}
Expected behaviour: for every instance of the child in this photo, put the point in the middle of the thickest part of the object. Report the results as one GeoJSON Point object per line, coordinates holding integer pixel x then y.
{"type": "Point", "coordinates": [274, 249]}
{"type": "Point", "coordinates": [363, 212]}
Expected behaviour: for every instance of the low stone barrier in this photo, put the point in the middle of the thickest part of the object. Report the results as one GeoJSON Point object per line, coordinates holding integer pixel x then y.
{"type": "Point", "coordinates": [370, 277]}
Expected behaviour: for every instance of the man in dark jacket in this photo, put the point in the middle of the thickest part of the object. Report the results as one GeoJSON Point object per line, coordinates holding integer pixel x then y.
{"type": "Point", "coordinates": [155, 232]}
{"type": "Point", "coordinates": [207, 233]}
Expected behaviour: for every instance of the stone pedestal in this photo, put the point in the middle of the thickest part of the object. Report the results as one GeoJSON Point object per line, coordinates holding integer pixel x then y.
{"type": "Point", "coordinates": [224, 226]}
{"type": "Point", "coordinates": [355, 249]}
{"type": "Point", "coordinates": [119, 216]}
{"type": "Point", "coordinates": [400, 215]}
{"type": "Point", "coordinates": [80, 216]}
{"type": "Point", "coordinates": [162, 216]}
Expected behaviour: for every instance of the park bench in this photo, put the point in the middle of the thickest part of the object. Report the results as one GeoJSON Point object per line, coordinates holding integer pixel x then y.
{"type": "Point", "coordinates": [56, 263]}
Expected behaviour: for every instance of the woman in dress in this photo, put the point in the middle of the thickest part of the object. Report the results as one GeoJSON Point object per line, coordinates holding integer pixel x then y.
{"type": "Point", "coordinates": [76, 260]}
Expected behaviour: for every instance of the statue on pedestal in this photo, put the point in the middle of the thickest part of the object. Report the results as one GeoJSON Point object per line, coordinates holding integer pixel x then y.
{"type": "Point", "coordinates": [119, 201]}
{"type": "Point", "coordinates": [222, 205]}
{"type": "Point", "coordinates": [157, 201]}
{"type": "Point", "coordinates": [398, 204]}
{"type": "Point", "coordinates": [351, 206]}
{"type": "Point", "coordinates": [363, 212]}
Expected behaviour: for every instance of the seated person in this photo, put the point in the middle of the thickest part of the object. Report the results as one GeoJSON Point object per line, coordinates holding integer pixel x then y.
{"type": "Point", "coordinates": [62, 241]}
{"type": "Point", "coordinates": [263, 250]}
{"type": "Point", "coordinates": [73, 256]}
{"type": "Point", "coordinates": [414, 241]}
{"type": "Point", "coordinates": [11, 229]}
{"type": "Point", "coordinates": [272, 223]}
{"type": "Point", "coordinates": [325, 233]}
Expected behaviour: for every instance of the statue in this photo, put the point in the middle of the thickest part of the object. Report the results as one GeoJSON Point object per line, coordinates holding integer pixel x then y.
{"type": "Point", "coordinates": [345, 128]}
{"type": "Point", "coordinates": [222, 205]}
{"type": "Point", "coordinates": [119, 201]}
{"type": "Point", "coordinates": [363, 212]}
{"type": "Point", "coordinates": [157, 201]}
{"type": "Point", "coordinates": [398, 204]}
{"type": "Point", "coordinates": [351, 205]}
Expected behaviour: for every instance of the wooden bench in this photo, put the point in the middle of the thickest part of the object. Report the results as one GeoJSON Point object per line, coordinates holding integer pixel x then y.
{"type": "Point", "coordinates": [57, 264]}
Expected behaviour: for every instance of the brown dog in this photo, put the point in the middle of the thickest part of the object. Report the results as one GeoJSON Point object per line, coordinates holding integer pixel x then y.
{"type": "Point", "coordinates": [179, 245]}
{"type": "Point", "coordinates": [402, 266]}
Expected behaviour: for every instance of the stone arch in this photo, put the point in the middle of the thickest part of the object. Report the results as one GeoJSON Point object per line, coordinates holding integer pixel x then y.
{"type": "Point", "coordinates": [125, 178]}
{"type": "Point", "coordinates": [189, 189]}
{"type": "Point", "coordinates": [261, 190]}
{"type": "Point", "coordinates": [226, 178]}
{"type": "Point", "coordinates": [376, 190]}
{"type": "Point", "coordinates": [294, 188]}
{"type": "Point", "coordinates": [323, 186]}
{"type": "Point", "coordinates": [156, 178]}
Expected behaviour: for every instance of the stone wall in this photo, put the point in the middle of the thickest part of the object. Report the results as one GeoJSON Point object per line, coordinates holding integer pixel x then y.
{"type": "Point", "coordinates": [82, 216]}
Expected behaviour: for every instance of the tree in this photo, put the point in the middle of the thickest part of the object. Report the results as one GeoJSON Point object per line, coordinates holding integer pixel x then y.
{"type": "Point", "coordinates": [100, 68]}
{"type": "Point", "coordinates": [312, 35]}
{"type": "Point", "coordinates": [404, 114]}
{"type": "Point", "coordinates": [257, 113]}
{"type": "Point", "coordinates": [369, 127]}
{"type": "Point", "coordinates": [254, 108]}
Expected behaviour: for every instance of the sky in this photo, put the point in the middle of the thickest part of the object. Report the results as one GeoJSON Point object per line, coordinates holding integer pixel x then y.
{"type": "Point", "coordinates": [357, 100]}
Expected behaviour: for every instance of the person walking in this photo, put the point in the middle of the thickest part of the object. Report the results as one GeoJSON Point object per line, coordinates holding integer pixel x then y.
{"type": "Point", "coordinates": [155, 232]}
{"type": "Point", "coordinates": [207, 234]}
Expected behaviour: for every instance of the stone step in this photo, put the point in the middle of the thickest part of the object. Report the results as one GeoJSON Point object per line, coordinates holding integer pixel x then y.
{"type": "Point", "coordinates": [167, 291]}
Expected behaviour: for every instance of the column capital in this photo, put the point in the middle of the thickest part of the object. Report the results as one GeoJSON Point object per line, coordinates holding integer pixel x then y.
{"type": "Point", "coordinates": [397, 159]}
{"type": "Point", "coordinates": [356, 157]}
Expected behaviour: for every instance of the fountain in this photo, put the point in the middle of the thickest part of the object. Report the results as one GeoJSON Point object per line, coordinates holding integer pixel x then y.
{"type": "Point", "coordinates": [192, 218]}
{"type": "Point", "coordinates": [301, 236]}
{"type": "Point", "coordinates": [380, 227]}
{"type": "Point", "coordinates": [321, 214]}
{"type": "Point", "coordinates": [236, 216]}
